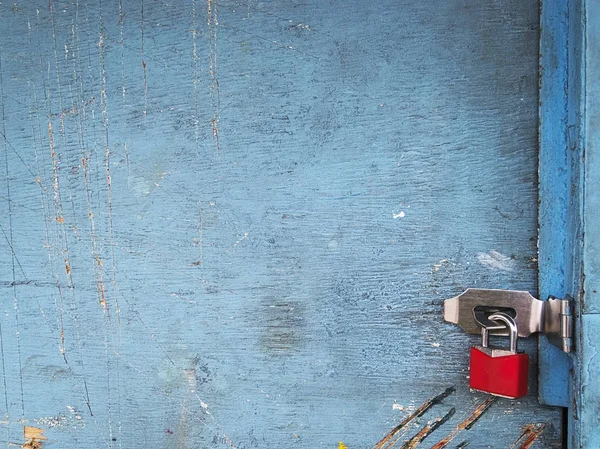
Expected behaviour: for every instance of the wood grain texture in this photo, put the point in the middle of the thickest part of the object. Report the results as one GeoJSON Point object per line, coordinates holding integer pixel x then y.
{"type": "Point", "coordinates": [233, 224]}
{"type": "Point", "coordinates": [559, 218]}
{"type": "Point", "coordinates": [586, 390]}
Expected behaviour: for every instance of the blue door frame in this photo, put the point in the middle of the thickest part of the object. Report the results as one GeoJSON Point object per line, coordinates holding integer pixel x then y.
{"type": "Point", "coordinates": [569, 248]}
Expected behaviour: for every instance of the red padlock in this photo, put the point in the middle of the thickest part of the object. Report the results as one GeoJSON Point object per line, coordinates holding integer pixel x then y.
{"type": "Point", "coordinates": [500, 372]}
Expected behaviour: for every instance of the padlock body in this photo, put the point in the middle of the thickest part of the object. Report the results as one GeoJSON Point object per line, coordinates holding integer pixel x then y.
{"type": "Point", "coordinates": [503, 375]}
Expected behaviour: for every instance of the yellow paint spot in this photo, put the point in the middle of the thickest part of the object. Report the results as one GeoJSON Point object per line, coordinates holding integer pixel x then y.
{"type": "Point", "coordinates": [342, 446]}
{"type": "Point", "coordinates": [61, 220]}
{"type": "Point", "coordinates": [34, 436]}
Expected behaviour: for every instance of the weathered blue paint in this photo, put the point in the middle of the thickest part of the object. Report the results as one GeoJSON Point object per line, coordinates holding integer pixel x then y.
{"type": "Point", "coordinates": [558, 210]}
{"type": "Point", "coordinates": [233, 224]}
{"type": "Point", "coordinates": [586, 392]}
{"type": "Point", "coordinates": [570, 205]}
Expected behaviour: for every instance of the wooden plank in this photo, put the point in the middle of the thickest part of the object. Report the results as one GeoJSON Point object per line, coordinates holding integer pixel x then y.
{"type": "Point", "coordinates": [559, 217]}
{"type": "Point", "coordinates": [233, 224]}
{"type": "Point", "coordinates": [586, 390]}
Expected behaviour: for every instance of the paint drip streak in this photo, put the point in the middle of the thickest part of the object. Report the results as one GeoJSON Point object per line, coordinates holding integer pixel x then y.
{"type": "Point", "coordinates": [416, 414]}
{"type": "Point", "coordinates": [467, 423]}
{"type": "Point", "coordinates": [428, 430]}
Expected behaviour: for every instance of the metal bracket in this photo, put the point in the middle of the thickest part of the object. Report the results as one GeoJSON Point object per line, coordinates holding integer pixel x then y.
{"type": "Point", "coordinates": [553, 317]}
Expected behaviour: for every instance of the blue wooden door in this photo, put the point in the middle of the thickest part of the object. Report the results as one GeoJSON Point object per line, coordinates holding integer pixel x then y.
{"type": "Point", "coordinates": [232, 224]}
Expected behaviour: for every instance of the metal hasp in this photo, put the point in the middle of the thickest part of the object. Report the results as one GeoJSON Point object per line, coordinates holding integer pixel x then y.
{"type": "Point", "coordinates": [471, 310]}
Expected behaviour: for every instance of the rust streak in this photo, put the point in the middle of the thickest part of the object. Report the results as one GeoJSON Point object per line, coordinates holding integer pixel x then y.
{"type": "Point", "coordinates": [466, 424]}
{"type": "Point", "coordinates": [427, 430]}
{"type": "Point", "coordinates": [531, 433]}
{"type": "Point", "coordinates": [34, 437]}
{"type": "Point", "coordinates": [416, 414]}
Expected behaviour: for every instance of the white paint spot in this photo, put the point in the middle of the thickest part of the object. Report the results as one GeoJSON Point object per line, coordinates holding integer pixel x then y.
{"type": "Point", "coordinates": [435, 345]}
{"type": "Point", "coordinates": [496, 261]}
{"type": "Point", "coordinates": [51, 421]}
{"type": "Point", "coordinates": [204, 405]}
{"type": "Point", "coordinates": [400, 214]}
{"type": "Point", "coordinates": [402, 408]}
{"type": "Point", "coordinates": [439, 265]}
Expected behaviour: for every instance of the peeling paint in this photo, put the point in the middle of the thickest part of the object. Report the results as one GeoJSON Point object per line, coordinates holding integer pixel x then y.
{"type": "Point", "coordinates": [496, 261]}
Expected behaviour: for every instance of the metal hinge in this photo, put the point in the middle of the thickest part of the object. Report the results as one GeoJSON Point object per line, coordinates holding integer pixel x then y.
{"type": "Point", "coordinates": [471, 309]}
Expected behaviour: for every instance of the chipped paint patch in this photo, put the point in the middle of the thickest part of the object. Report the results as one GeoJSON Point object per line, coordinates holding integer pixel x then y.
{"type": "Point", "coordinates": [34, 437]}
{"type": "Point", "coordinates": [466, 424]}
{"type": "Point", "coordinates": [496, 261]}
{"type": "Point", "coordinates": [531, 433]}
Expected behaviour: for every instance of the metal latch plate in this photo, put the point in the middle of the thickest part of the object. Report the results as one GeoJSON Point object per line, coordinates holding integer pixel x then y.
{"type": "Point", "coordinates": [551, 317]}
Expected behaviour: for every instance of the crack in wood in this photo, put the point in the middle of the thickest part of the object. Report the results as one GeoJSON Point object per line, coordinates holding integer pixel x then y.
{"type": "Point", "coordinates": [427, 430]}
{"type": "Point", "coordinates": [467, 423]}
{"type": "Point", "coordinates": [531, 433]}
{"type": "Point", "coordinates": [416, 414]}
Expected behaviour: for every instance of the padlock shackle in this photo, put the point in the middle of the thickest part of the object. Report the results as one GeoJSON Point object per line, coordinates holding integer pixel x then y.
{"type": "Point", "coordinates": [511, 326]}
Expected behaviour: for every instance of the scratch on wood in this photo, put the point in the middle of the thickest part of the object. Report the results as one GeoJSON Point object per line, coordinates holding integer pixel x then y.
{"type": "Point", "coordinates": [215, 92]}
{"type": "Point", "coordinates": [127, 164]}
{"type": "Point", "coordinates": [428, 430]}
{"type": "Point", "coordinates": [416, 414]}
{"type": "Point", "coordinates": [104, 106]}
{"type": "Point", "coordinates": [121, 28]}
{"type": "Point", "coordinates": [95, 254]}
{"type": "Point", "coordinates": [195, 64]}
{"type": "Point", "coordinates": [144, 65]}
{"type": "Point", "coordinates": [531, 433]}
{"type": "Point", "coordinates": [466, 424]}
{"type": "Point", "coordinates": [110, 224]}
{"type": "Point", "coordinates": [199, 241]}
{"type": "Point", "coordinates": [34, 437]}
{"type": "Point", "coordinates": [240, 240]}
